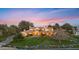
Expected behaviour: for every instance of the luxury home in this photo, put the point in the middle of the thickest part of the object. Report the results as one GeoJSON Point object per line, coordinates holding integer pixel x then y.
{"type": "Point", "coordinates": [38, 31]}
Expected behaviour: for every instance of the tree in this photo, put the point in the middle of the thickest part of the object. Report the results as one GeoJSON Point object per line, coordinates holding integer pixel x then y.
{"type": "Point", "coordinates": [3, 26]}
{"type": "Point", "coordinates": [50, 25]}
{"type": "Point", "coordinates": [31, 24]}
{"type": "Point", "coordinates": [75, 27]}
{"type": "Point", "coordinates": [68, 27]}
{"type": "Point", "coordinates": [61, 35]}
{"type": "Point", "coordinates": [4, 29]}
{"type": "Point", "coordinates": [56, 26]}
{"type": "Point", "coordinates": [25, 25]}
{"type": "Point", "coordinates": [13, 29]}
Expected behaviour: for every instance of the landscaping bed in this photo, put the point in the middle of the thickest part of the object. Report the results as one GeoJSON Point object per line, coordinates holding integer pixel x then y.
{"type": "Point", "coordinates": [42, 42]}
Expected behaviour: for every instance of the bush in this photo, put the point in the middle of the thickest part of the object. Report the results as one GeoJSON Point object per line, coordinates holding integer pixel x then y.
{"type": "Point", "coordinates": [2, 38]}
{"type": "Point", "coordinates": [18, 36]}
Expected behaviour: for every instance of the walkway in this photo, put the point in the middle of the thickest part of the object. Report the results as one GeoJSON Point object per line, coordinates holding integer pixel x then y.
{"type": "Point", "coordinates": [7, 41]}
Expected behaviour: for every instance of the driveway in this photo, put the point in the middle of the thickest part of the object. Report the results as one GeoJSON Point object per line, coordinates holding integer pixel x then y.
{"type": "Point", "coordinates": [7, 41]}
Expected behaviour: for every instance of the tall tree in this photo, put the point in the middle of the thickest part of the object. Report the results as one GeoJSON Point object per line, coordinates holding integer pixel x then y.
{"type": "Point", "coordinates": [24, 25]}
{"type": "Point", "coordinates": [31, 24]}
{"type": "Point", "coordinates": [56, 26]}
{"type": "Point", "coordinates": [50, 25]}
{"type": "Point", "coordinates": [13, 29]}
{"type": "Point", "coordinates": [68, 27]}
{"type": "Point", "coordinates": [4, 29]}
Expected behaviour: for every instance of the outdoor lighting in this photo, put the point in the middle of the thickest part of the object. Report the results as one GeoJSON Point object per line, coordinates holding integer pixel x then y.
{"type": "Point", "coordinates": [36, 32]}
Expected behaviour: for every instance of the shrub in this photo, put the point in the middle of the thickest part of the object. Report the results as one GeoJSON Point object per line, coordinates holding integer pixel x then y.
{"type": "Point", "coordinates": [18, 36]}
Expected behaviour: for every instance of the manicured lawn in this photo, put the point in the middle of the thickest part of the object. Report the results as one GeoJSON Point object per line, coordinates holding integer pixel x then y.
{"type": "Point", "coordinates": [2, 38]}
{"type": "Point", "coordinates": [41, 41]}
{"type": "Point", "coordinates": [31, 41]}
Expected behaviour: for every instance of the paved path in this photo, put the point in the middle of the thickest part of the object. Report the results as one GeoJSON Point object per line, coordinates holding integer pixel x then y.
{"type": "Point", "coordinates": [7, 41]}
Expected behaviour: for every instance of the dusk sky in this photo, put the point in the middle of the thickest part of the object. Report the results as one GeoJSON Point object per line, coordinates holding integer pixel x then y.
{"type": "Point", "coordinates": [39, 16]}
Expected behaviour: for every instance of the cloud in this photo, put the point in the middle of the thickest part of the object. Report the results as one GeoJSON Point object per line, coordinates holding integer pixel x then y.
{"type": "Point", "coordinates": [38, 17]}
{"type": "Point", "coordinates": [38, 20]}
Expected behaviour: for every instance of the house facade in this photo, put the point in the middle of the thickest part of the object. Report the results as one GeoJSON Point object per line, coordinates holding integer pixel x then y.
{"type": "Point", "coordinates": [38, 31]}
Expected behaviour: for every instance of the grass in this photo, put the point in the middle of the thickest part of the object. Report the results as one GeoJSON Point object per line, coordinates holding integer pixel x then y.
{"type": "Point", "coordinates": [41, 41]}
{"type": "Point", "coordinates": [30, 41]}
{"type": "Point", "coordinates": [76, 46]}
{"type": "Point", "coordinates": [2, 38]}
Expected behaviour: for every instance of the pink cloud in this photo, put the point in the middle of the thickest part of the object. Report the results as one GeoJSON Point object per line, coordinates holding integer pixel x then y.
{"type": "Point", "coordinates": [37, 20]}
{"type": "Point", "coordinates": [9, 21]}
{"type": "Point", "coordinates": [46, 21]}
